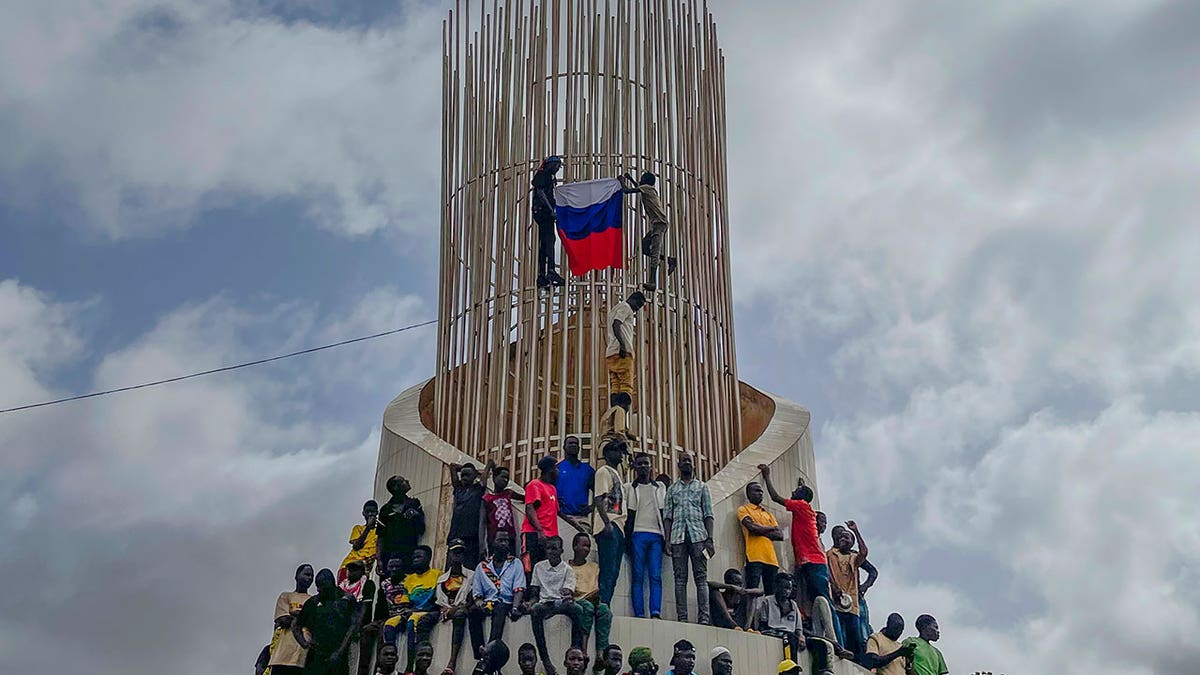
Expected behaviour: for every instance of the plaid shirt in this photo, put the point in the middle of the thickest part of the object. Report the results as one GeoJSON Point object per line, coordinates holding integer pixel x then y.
{"type": "Point", "coordinates": [688, 504]}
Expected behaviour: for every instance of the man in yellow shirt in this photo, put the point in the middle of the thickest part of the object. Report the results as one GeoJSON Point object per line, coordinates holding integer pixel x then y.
{"type": "Point", "coordinates": [759, 529]}
{"type": "Point", "coordinates": [363, 540]}
{"type": "Point", "coordinates": [590, 610]}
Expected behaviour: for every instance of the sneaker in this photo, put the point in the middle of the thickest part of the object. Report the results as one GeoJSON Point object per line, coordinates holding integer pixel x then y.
{"type": "Point", "coordinates": [554, 279]}
{"type": "Point", "coordinates": [672, 263]}
{"type": "Point", "coordinates": [542, 281]}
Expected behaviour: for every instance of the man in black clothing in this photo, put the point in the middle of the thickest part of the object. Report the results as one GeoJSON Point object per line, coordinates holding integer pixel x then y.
{"type": "Point", "coordinates": [401, 523]}
{"type": "Point", "coordinates": [495, 657]}
{"type": "Point", "coordinates": [547, 220]}
{"type": "Point", "coordinates": [331, 618]}
{"type": "Point", "coordinates": [468, 517]}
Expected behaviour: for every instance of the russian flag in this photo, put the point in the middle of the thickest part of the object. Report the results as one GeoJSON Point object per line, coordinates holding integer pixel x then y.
{"type": "Point", "coordinates": [589, 224]}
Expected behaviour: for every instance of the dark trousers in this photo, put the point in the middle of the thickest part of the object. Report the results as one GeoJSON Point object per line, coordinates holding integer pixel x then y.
{"type": "Point", "coordinates": [822, 655]}
{"type": "Point", "coordinates": [547, 224]}
{"type": "Point", "coordinates": [680, 555]}
{"type": "Point", "coordinates": [815, 577]}
{"type": "Point", "coordinates": [851, 638]}
{"type": "Point", "coordinates": [499, 613]}
{"type": "Point", "coordinates": [534, 548]}
{"type": "Point", "coordinates": [544, 610]}
{"type": "Point", "coordinates": [765, 572]}
{"type": "Point", "coordinates": [419, 631]}
{"type": "Point", "coordinates": [611, 543]}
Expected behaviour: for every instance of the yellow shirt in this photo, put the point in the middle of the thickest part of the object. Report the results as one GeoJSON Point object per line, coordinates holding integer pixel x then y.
{"type": "Point", "coordinates": [758, 548]}
{"type": "Point", "coordinates": [368, 549]}
{"type": "Point", "coordinates": [287, 651]}
{"type": "Point", "coordinates": [587, 580]}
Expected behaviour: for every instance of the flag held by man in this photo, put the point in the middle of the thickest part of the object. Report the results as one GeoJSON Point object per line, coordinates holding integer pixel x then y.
{"type": "Point", "coordinates": [589, 224]}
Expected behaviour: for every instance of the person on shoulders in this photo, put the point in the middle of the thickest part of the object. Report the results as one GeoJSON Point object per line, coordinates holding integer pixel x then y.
{"type": "Point", "coordinates": [614, 423]}
{"type": "Point", "coordinates": [401, 523]}
{"type": "Point", "coordinates": [925, 658]}
{"type": "Point", "coordinates": [688, 517]}
{"type": "Point", "coordinates": [287, 656]}
{"type": "Point", "coordinates": [541, 510]}
{"type": "Point", "coordinates": [885, 655]}
{"type": "Point", "coordinates": [363, 540]}
{"type": "Point", "coordinates": [591, 612]}
{"type": "Point", "coordinates": [497, 591]}
{"type": "Point", "coordinates": [644, 536]}
{"type": "Point", "coordinates": [453, 597]}
{"type": "Point", "coordinates": [554, 581]}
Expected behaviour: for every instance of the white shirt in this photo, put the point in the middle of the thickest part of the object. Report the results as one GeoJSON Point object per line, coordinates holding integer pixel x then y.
{"type": "Point", "coordinates": [624, 313]}
{"type": "Point", "coordinates": [555, 582]}
{"type": "Point", "coordinates": [646, 502]}
{"type": "Point", "coordinates": [608, 482]}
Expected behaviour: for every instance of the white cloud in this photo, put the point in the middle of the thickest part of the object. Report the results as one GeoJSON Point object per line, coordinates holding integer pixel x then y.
{"type": "Point", "coordinates": [151, 112]}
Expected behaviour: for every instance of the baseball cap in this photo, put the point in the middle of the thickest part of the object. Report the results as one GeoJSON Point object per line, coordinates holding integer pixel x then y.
{"type": "Point", "coordinates": [457, 544]}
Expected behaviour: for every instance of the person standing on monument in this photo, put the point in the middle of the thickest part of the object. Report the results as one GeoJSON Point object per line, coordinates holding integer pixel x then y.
{"type": "Point", "coordinates": [618, 356]}
{"type": "Point", "coordinates": [287, 656]}
{"type": "Point", "coordinates": [656, 219]}
{"type": "Point", "coordinates": [812, 571]}
{"type": "Point", "coordinates": [688, 518]}
{"type": "Point", "coordinates": [574, 481]}
{"type": "Point", "coordinates": [884, 652]}
{"type": "Point", "coordinates": [610, 517]}
{"type": "Point", "coordinates": [541, 510]}
{"type": "Point", "coordinates": [644, 536]}
{"type": "Point", "coordinates": [324, 627]}
{"type": "Point", "coordinates": [844, 563]}
{"type": "Point", "coordinates": [501, 517]}
{"type": "Point", "coordinates": [544, 215]}
{"type": "Point", "coordinates": [468, 519]}
{"type": "Point", "coordinates": [401, 523]}
{"type": "Point", "coordinates": [759, 530]}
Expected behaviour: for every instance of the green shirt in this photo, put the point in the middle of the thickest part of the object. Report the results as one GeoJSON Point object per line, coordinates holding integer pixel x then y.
{"type": "Point", "coordinates": [926, 659]}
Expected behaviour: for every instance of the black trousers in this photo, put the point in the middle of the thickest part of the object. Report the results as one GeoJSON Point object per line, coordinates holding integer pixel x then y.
{"type": "Point", "coordinates": [499, 613]}
{"type": "Point", "coordinates": [544, 610]}
{"type": "Point", "coordinates": [547, 224]}
{"type": "Point", "coordinates": [765, 572]}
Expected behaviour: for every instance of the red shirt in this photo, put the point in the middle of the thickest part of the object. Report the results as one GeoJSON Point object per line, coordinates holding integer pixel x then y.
{"type": "Point", "coordinates": [805, 543]}
{"type": "Point", "coordinates": [547, 511]}
{"type": "Point", "coordinates": [500, 514]}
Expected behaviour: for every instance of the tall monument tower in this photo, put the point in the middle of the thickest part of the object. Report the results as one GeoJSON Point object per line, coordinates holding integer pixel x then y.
{"type": "Point", "coordinates": [614, 86]}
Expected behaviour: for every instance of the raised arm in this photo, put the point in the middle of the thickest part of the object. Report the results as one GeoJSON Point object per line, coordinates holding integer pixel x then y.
{"type": "Point", "coordinates": [454, 481]}
{"type": "Point", "coordinates": [766, 474]}
{"type": "Point", "coordinates": [627, 184]}
{"type": "Point", "coordinates": [862, 545]}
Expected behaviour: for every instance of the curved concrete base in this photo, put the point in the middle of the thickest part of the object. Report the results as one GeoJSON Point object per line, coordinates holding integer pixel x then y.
{"type": "Point", "coordinates": [409, 448]}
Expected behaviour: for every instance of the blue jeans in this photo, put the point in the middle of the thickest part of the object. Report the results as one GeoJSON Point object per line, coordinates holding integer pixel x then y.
{"type": "Point", "coordinates": [611, 543]}
{"type": "Point", "coordinates": [647, 558]}
{"type": "Point", "coordinates": [815, 577]}
{"type": "Point", "coordinates": [850, 637]}
{"type": "Point", "coordinates": [864, 620]}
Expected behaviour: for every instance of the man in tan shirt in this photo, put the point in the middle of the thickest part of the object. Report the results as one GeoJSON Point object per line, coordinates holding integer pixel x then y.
{"type": "Point", "coordinates": [656, 220]}
{"type": "Point", "coordinates": [885, 654]}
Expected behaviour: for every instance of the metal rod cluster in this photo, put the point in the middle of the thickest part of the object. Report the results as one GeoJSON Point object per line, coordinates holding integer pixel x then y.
{"type": "Point", "coordinates": [611, 86]}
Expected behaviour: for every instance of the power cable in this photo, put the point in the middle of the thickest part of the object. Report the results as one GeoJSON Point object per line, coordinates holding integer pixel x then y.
{"type": "Point", "coordinates": [218, 370]}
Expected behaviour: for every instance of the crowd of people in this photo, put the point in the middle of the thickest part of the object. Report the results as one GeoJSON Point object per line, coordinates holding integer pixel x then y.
{"type": "Point", "coordinates": [386, 599]}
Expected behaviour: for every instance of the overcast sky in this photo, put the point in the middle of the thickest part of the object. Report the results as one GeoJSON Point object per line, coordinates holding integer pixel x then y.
{"type": "Point", "coordinates": [964, 235]}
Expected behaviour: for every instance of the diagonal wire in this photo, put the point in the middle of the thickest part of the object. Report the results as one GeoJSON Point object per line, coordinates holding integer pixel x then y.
{"type": "Point", "coordinates": [222, 369]}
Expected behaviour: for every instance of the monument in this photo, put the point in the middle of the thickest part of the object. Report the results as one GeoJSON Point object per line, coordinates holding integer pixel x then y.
{"type": "Point", "coordinates": [611, 87]}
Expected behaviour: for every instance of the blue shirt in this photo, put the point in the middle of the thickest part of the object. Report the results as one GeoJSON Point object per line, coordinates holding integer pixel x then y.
{"type": "Point", "coordinates": [491, 585]}
{"type": "Point", "coordinates": [572, 484]}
